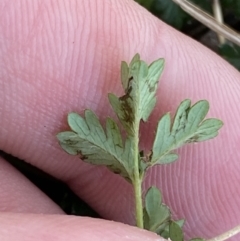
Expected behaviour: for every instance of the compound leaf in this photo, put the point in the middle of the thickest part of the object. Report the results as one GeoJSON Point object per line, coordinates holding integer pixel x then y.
{"type": "Point", "coordinates": [140, 84]}
{"type": "Point", "coordinates": [89, 139]}
{"type": "Point", "coordinates": [188, 126]}
{"type": "Point", "coordinates": [105, 146]}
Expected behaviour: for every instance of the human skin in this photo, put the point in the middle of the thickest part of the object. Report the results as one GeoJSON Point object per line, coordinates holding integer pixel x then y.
{"type": "Point", "coordinates": [60, 56]}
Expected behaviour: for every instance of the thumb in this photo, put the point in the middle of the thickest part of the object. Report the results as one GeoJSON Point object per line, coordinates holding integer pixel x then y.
{"type": "Point", "coordinates": [28, 227]}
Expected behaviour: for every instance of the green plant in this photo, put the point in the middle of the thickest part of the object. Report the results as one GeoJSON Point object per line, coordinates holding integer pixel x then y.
{"type": "Point", "coordinates": [122, 156]}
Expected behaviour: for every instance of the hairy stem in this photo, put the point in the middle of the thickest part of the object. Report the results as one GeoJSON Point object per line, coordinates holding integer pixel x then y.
{"type": "Point", "coordinates": [137, 182]}
{"type": "Point", "coordinates": [226, 235]}
{"type": "Point", "coordinates": [138, 198]}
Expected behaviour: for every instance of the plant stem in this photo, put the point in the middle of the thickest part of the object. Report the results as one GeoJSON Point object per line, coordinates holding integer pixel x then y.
{"type": "Point", "coordinates": [226, 235]}
{"type": "Point", "coordinates": [137, 182]}
{"type": "Point", "coordinates": [138, 199]}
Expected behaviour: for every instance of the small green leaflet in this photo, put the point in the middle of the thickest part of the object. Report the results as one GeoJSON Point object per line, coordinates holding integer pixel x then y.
{"type": "Point", "coordinates": [155, 213]}
{"type": "Point", "coordinates": [164, 232]}
{"type": "Point", "coordinates": [175, 232]}
{"type": "Point", "coordinates": [140, 84]}
{"type": "Point", "coordinates": [188, 126]}
{"type": "Point", "coordinates": [89, 139]}
{"type": "Point", "coordinates": [157, 217]}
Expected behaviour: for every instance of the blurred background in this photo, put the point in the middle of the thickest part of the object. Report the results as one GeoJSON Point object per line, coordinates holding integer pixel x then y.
{"type": "Point", "coordinates": [172, 14]}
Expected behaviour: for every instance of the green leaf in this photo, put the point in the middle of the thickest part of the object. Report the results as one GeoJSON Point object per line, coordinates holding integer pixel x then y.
{"type": "Point", "coordinates": [153, 199]}
{"type": "Point", "coordinates": [156, 213]}
{"type": "Point", "coordinates": [163, 230]}
{"type": "Point", "coordinates": [89, 139]}
{"type": "Point", "coordinates": [123, 109]}
{"type": "Point", "coordinates": [180, 222]}
{"type": "Point", "coordinates": [188, 126]}
{"type": "Point", "coordinates": [175, 232]}
{"type": "Point", "coordinates": [124, 75]}
{"type": "Point", "coordinates": [140, 84]}
{"type": "Point", "coordinates": [135, 58]}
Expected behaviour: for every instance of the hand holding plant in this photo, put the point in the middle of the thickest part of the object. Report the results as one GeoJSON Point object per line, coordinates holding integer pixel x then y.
{"type": "Point", "coordinates": [56, 59]}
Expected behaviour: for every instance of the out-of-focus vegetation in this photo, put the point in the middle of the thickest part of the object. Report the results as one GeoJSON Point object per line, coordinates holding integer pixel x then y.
{"type": "Point", "coordinates": [172, 14]}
